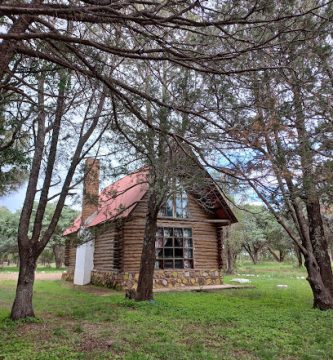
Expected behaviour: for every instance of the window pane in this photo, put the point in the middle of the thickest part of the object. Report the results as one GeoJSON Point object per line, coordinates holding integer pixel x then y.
{"type": "Point", "coordinates": [169, 207]}
{"type": "Point", "coordinates": [178, 232]}
{"type": "Point", "coordinates": [179, 253]}
{"type": "Point", "coordinates": [168, 242]}
{"type": "Point", "coordinates": [159, 242]}
{"type": "Point", "coordinates": [188, 243]}
{"type": "Point", "coordinates": [188, 264]}
{"type": "Point", "coordinates": [178, 242]}
{"type": "Point", "coordinates": [168, 232]}
{"type": "Point", "coordinates": [173, 248]}
{"type": "Point", "coordinates": [187, 232]}
{"type": "Point", "coordinates": [179, 264]}
{"type": "Point", "coordinates": [168, 264]}
{"type": "Point", "coordinates": [159, 253]}
{"type": "Point", "coordinates": [168, 253]}
{"type": "Point", "coordinates": [158, 264]}
{"type": "Point", "coordinates": [159, 232]}
{"type": "Point", "coordinates": [179, 208]}
{"type": "Point", "coordinates": [188, 254]}
{"type": "Point", "coordinates": [184, 205]}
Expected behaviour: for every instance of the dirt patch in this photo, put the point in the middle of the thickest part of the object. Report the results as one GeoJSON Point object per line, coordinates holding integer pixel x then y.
{"type": "Point", "coordinates": [99, 291]}
{"type": "Point", "coordinates": [90, 344]}
{"type": "Point", "coordinates": [38, 276]}
{"type": "Point", "coordinates": [41, 331]}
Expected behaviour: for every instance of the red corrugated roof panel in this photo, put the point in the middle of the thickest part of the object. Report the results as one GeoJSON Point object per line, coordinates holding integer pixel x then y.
{"type": "Point", "coordinates": [116, 200]}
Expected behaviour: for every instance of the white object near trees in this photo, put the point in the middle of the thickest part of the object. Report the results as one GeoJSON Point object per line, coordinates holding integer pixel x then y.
{"type": "Point", "coordinates": [241, 281]}
{"type": "Point", "coordinates": [282, 286]}
{"type": "Point", "coordinates": [84, 263]}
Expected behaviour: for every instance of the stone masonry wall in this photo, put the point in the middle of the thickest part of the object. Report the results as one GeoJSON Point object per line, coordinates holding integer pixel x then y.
{"type": "Point", "coordinates": [162, 278]}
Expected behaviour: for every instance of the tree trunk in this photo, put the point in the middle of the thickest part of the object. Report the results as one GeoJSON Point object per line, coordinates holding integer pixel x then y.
{"type": "Point", "coordinates": [58, 252]}
{"type": "Point", "coordinates": [230, 260]}
{"type": "Point", "coordinates": [255, 256]}
{"type": "Point", "coordinates": [317, 260]}
{"type": "Point", "coordinates": [22, 306]}
{"type": "Point", "coordinates": [323, 293]}
{"type": "Point", "coordinates": [271, 251]}
{"type": "Point", "coordinates": [146, 275]}
{"type": "Point", "coordinates": [299, 256]}
{"type": "Point", "coordinates": [322, 298]}
{"type": "Point", "coordinates": [282, 255]}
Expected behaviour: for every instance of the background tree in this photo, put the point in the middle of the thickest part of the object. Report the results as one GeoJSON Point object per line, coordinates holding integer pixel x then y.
{"type": "Point", "coordinates": [276, 118]}
{"type": "Point", "coordinates": [68, 117]}
{"type": "Point", "coordinates": [8, 234]}
{"type": "Point", "coordinates": [57, 242]}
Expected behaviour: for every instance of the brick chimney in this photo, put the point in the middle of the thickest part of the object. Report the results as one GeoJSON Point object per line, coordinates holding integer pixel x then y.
{"type": "Point", "coordinates": [90, 188]}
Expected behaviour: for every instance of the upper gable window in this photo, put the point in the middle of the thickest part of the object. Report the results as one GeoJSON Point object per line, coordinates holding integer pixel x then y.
{"type": "Point", "coordinates": [176, 206]}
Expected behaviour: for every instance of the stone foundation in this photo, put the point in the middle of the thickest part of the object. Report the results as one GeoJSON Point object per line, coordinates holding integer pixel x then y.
{"type": "Point", "coordinates": [162, 278]}
{"type": "Point", "coordinates": [68, 275]}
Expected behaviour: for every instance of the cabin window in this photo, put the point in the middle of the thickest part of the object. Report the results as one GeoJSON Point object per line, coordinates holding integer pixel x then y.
{"type": "Point", "coordinates": [174, 248]}
{"type": "Point", "coordinates": [176, 206]}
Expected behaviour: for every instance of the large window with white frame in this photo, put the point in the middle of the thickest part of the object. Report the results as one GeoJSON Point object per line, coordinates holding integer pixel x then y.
{"type": "Point", "coordinates": [174, 248]}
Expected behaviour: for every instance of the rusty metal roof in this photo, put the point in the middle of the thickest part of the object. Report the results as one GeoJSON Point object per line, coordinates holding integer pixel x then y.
{"type": "Point", "coordinates": [115, 201]}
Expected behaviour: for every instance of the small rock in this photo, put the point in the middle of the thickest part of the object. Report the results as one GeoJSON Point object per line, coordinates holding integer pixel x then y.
{"type": "Point", "coordinates": [282, 286]}
{"type": "Point", "coordinates": [109, 343]}
{"type": "Point", "coordinates": [241, 281]}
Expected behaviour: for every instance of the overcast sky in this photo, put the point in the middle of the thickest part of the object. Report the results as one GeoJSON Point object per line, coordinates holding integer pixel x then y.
{"type": "Point", "coordinates": [14, 200]}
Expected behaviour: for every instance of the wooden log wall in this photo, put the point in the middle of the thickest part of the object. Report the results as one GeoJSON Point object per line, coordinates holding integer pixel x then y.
{"type": "Point", "coordinates": [204, 236]}
{"type": "Point", "coordinates": [105, 247]}
{"type": "Point", "coordinates": [70, 253]}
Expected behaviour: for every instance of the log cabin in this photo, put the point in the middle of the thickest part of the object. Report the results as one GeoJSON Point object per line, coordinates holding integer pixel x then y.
{"type": "Point", "coordinates": [104, 243]}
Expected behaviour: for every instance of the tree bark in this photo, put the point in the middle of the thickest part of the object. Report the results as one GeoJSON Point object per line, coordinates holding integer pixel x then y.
{"type": "Point", "coordinates": [282, 255]}
{"type": "Point", "coordinates": [230, 260]}
{"type": "Point", "coordinates": [271, 251]}
{"type": "Point", "coordinates": [254, 253]}
{"type": "Point", "coordinates": [322, 297]}
{"type": "Point", "coordinates": [58, 252]}
{"type": "Point", "coordinates": [299, 256]}
{"type": "Point", "coordinates": [7, 47]}
{"type": "Point", "coordinates": [321, 276]}
{"type": "Point", "coordinates": [317, 260]}
{"type": "Point", "coordinates": [146, 275]}
{"type": "Point", "coordinates": [22, 306]}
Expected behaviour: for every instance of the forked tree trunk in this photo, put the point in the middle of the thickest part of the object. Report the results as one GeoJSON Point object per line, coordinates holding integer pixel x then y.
{"type": "Point", "coordinates": [254, 255]}
{"type": "Point", "coordinates": [282, 255]}
{"type": "Point", "coordinates": [22, 306]}
{"type": "Point", "coordinates": [272, 252]}
{"type": "Point", "coordinates": [146, 275]}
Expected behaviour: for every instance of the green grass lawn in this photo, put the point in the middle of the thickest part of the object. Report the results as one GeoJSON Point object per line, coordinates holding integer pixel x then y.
{"type": "Point", "coordinates": [261, 323]}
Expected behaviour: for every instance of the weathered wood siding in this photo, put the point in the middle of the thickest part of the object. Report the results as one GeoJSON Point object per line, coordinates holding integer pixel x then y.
{"type": "Point", "coordinates": [107, 247]}
{"type": "Point", "coordinates": [104, 248]}
{"type": "Point", "coordinates": [205, 250]}
{"type": "Point", "coordinates": [70, 253]}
